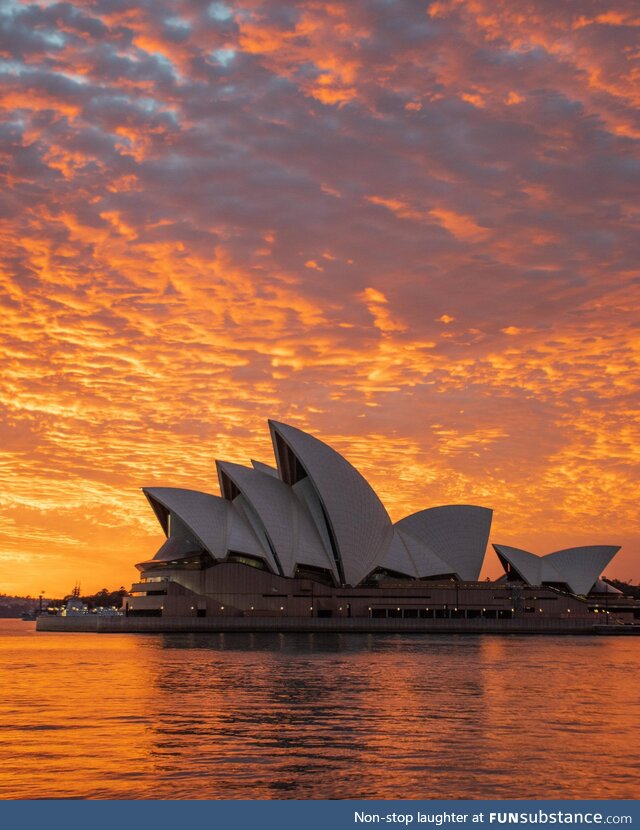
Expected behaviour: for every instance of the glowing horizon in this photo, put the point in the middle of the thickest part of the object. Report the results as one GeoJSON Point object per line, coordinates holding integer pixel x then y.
{"type": "Point", "coordinates": [409, 230]}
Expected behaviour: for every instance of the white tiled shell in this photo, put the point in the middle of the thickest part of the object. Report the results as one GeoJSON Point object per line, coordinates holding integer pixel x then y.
{"type": "Point", "coordinates": [455, 533]}
{"type": "Point", "coordinates": [264, 468]}
{"type": "Point", "coordinates": [548, 573]}
{"type": "Point", "coordinates": [602, 587]}
{"type": "Point", "coordinates": [284, 518]}
{"type": "Point", "coordinates": [397, 558]}
{"type": "Point", "coordinates": [580, 567]}
{"type": "Point", "coordinates": [527, 565]}
{"type": "Point", "coordinates": [408, 555]}
{"type": "Point", "coordinates": [214, 522]}
{"type": "Point", "coordinates": [204, 514]}
{"type": "Point", "coordinates": [306, 494]}
{"type": "Point", "coordinates": [176, 548]}
{"type": "Point", "coordinates": [242, 537]}
{"type": "Point", "coordinates": [426, 561]}
{"type": "Point", "coordinates": [361, 526]}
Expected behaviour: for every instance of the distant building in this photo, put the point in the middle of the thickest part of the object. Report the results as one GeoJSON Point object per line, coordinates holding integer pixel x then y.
{"type": "Point", "coordinates": [310, 537]}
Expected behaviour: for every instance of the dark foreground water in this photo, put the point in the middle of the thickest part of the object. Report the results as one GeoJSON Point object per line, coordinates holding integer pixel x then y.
{"type": "Point", "coordinates": [317, 716]}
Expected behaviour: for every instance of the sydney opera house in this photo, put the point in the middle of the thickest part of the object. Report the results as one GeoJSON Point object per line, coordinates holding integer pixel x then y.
{"type": "Point", "coordinates": [309, 538]}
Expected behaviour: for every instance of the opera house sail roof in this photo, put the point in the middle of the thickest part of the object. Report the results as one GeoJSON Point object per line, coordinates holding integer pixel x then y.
{"type": "Point", "coordinates": [577, 568]}
{"type": "Point", "coordinates": [314, 516]}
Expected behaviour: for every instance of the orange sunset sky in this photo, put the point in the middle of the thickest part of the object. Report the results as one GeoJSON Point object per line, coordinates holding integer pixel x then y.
{"type": "Point", "coordinates": [408, 227]}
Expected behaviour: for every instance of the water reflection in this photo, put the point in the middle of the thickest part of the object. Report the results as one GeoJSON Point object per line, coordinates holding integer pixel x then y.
{"type": "Point", "coordinates": [317, 716]}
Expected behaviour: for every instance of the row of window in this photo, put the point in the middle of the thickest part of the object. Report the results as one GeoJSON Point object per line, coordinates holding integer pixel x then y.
{"type": "Point", "coordinates": [441, 613]}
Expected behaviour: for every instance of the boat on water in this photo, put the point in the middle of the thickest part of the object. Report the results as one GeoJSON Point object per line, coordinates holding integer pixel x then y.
{"type": "Point", "coordinates": [75, 607]}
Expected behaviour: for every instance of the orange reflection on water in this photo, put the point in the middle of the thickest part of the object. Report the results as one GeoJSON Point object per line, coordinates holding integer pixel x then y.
{"type": "Point", "coordinates": [316, 716]}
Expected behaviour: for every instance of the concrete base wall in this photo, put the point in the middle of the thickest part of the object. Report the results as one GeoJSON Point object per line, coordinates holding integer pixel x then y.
{"type": "Point", "coordinates": [159, 625]}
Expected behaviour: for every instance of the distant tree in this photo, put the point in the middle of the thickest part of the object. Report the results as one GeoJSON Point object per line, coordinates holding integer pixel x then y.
{"type": "Point", "coordinates": [104, 598]}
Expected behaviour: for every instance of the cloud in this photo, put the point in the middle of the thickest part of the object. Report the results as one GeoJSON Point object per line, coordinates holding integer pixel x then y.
{"type": "Point", "coordinates": [414, 235]}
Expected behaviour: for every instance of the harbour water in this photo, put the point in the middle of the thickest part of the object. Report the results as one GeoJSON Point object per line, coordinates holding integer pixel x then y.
{"type": "Point", "coordinates": [310, 716]}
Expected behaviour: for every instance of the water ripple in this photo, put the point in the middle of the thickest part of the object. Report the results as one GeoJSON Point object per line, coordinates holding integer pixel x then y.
{"type": "Point", "coordinates": [316, 716]}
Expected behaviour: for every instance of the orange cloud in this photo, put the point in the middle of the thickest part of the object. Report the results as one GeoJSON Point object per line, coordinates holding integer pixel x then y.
{"type": "Point", "coordinates": [399, 208]}
{"type": "Point", "coordinates": [461, 226]}
{"type": "Point", "coordinates": [376, 302]}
